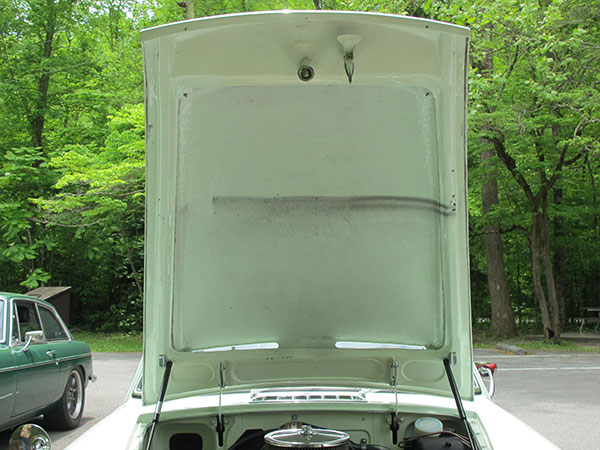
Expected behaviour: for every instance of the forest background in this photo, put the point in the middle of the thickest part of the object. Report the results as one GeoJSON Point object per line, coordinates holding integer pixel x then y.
{"type": "Point", "coordinates": [72, 151]}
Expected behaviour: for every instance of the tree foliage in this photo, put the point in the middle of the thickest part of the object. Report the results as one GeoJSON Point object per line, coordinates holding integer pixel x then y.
{"type": "Point", "coordinates": [534, 86]}
{"type": "Point", "coordinates": [72, 150]}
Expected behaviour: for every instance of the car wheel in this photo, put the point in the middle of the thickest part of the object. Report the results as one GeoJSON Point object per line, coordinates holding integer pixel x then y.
{"type": "Point", "coordinates": [67, 413]}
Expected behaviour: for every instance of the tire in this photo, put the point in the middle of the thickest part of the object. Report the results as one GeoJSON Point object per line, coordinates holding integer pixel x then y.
{"type": "Point", "coordinates": [67, 413]}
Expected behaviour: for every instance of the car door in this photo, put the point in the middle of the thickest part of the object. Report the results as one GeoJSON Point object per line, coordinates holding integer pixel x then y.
{"type": "Point", "coordinates": [8, 374]}
{"type": "Point", "coordinates": [59, 342]}
{"type": "Point", "coordinates": [37, 368]}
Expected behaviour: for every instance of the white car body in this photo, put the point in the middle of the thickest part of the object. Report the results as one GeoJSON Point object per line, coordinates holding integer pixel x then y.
{"type": "Point", "coordinates": [123, 428]}
{"type": "Point", "coordinates": [306, 236]}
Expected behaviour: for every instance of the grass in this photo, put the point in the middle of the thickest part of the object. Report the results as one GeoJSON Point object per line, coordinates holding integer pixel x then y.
{"type": "Point", "coordinates": [131, 343]}
{"type": "Point", "coordinates": [110, 342]}
{"type": "Point", "coordinates": [484, 340]}
{"type": "Point", "coordinates": [564, 346]}
{"type": "Point", "coordinates": [541, 344]}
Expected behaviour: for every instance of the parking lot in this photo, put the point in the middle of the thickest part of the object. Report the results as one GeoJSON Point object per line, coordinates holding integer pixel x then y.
{"type": "Point", "coordinates": [558, 394]}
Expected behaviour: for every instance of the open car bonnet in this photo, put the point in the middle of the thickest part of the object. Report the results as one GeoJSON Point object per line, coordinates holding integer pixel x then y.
{"type": "Point", "coordinates": [306, 210]}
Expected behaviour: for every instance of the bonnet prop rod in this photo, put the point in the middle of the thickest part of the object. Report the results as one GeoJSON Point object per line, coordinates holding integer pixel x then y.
{"type": "Point", "coordinates": [161, 397]}
{"type": "Point", "coordinates": [394, 417]}
{"type": "Point", "coordinates": [220, 420]}
{"type": "Point", "coordinates": [459, 405]}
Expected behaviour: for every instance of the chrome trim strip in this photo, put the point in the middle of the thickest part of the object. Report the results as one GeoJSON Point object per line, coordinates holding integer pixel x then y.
{"type": "Point", "coordinates": [69, 358]}
{"type": "Point", "coordinates": [11, 311]}
{"type": "Point", "coordinates": [308, 395]}
{"type": "Point", "coordinates": [38, 364]}
{"type": "Point", "coordinates": [45, 363]}
{"type": "Point", "coordinates": [4, 319]}
{"type": "Point", "coordinates": [371, 345]}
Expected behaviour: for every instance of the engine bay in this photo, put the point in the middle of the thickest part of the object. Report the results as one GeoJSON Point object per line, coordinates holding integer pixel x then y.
{"type": "Point", "coordinates": [310, 430]}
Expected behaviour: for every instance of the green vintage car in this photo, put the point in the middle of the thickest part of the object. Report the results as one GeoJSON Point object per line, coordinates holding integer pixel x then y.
{"type": "Point", "coordinates": [43, 370]}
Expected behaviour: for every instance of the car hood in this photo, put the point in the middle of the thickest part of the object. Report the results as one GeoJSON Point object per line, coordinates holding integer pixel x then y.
{"type": "Point", "coordinates": [305, 233]}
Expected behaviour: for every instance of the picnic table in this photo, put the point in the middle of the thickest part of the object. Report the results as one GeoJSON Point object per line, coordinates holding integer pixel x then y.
{"type": "Point", "coordinates": [592, 316]}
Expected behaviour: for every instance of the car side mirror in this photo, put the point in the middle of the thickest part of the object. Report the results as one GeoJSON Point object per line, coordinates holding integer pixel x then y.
{"type": "Point", "coordinates": [487, 365]}
{"type": "Point", "coordinates": [487, 370]}
{"type": "Point", "coordinates": [30, 437]}
{"type": "Point", "coordinates": [33, 338]}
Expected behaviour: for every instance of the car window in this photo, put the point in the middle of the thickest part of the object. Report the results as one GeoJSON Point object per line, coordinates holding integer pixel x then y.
{"type": "Point", "coordinates": [15, 326]}
{"type": "Point", "coordinates": [28, 319]}
{"type": "Point", "coordinates": [476, 388]}
{"type": "Point", "coordinates": [52, 327]}
{"type": "Point", "coordinates": [2, 325]}
{"type": "Point", "coordinates": [137, 392]}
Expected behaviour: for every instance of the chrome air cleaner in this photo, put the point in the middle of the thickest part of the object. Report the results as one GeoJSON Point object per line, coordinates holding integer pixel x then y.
{"type": "Point", "coordinates": [307, 438]}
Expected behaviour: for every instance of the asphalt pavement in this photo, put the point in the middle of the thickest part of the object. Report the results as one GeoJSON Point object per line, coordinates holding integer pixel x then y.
{"type": "Point", "coordinates": [558, 394]}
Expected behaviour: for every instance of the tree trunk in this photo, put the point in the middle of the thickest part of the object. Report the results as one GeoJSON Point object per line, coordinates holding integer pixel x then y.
{"type": "Point", "coordinates": [39, 115]}
{"type": "Point", "coordinates": [595, 208]}
{"type": "Point", "coordinates": [540, 251]}
{"type": "Point", "coordinates": [503, 321]}
{"type": "Point", "coordinates": [559, 258]}
{"type": "Point", "coordinates": [540, 234]}
{"type": "Point", "coordinates": [538, 288]}
{"type": "Point", "coordinates": [549, 271]}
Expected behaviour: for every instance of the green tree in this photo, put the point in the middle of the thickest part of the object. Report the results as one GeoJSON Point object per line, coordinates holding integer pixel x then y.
{"type": "Point", "coordinates": [65, 68]}
{"type": "Point", "coordinates": [71, 198]}
{"type": "Point", "coordinates": [100, 195]}
{"type": "Point", "coordinates": [536, 105]}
